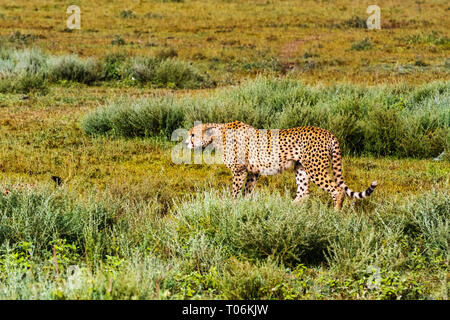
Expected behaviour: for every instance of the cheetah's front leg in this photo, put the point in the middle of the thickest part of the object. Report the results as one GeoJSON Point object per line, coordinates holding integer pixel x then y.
{"type": "Point", "coordinates": [238, 181]}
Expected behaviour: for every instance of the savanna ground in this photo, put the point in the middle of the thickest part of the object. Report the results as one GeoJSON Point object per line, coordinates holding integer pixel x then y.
{"type": "Point", "coordinates": [128, 223]}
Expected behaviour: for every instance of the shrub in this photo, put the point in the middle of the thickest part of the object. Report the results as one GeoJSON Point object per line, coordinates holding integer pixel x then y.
{"type": "Point", "coordinates": [118, 41]}
{"type": "Point", "coordinates": [428, 218]}
{"type": "Point", "coordinates": [364, 44]}
{"type": "Point", "coordinates": [141, 118]}
{"type": "Point", "coordinates": [170, 73]}
{"type": "Point", "coordinates": [166, 53]}
{"type": "Point", "coordinates": [58, 245]}
{"type": "Point", "coordinates": [112, 66]}
{"type": "Point", "coordinates": [31, 69]}
{"type": "Point", "coordinates": [127, 14]}
{"type": "Point", "coordinates": [179, 74]}
{"type": "Point", "coordinates": [40, 217]}
{"type": "Point", "coordinates": [22, 71]}
{"type": "Point", "coordinates": [143, 69]}
{"type": "Point", "coordinates": [24, 84]}
{"type": "Point", "coordinates": [73, 68]}
{"type": "Point", "coordinates": [268, 226]}
{"type": "Point", "coordinates": [389, 121]}
{"type": "Point", "coordinates": [246, 281]}
{"type": "Point", "coordinates": [355, 22]}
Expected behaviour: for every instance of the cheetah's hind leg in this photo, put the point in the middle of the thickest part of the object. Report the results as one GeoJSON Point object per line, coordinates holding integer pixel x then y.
{"type": "Point", "coordinates": [238, 182]}
{"type": "Point", "coordinates": [339, 199]}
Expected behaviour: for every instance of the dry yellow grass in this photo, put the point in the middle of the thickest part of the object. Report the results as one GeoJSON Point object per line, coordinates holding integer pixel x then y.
{"type": "Point", "coordinates": [40, 137]}
{"type": "Point", "coordinates": [230, 39]}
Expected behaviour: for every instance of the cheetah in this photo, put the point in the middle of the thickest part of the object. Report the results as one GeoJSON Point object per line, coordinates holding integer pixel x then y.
{"type": "Point", "coordinates": [249, 153]}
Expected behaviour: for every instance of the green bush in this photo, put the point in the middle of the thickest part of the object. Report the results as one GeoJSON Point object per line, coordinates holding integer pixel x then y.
{"type": "Point", "coordinates": [361, 45]}
{"type": "Point", "coordinates": [266, 226]}
{"type": "Point", "coordinates": [428, 218]}
{"type": "Point", "coordinates": [143, 69]}
{"type": "Point", "coordinates": [166, 53]}
{"type": "Point", "coordinates": [24, 84]}
{"type": "Point", "coordinates": [170, 73]}
{"type": "Point", "coordinates": [179, 74]}
{"type": "Point", "coordinates": [127, 14]}
{"type": "Point", "coordinates": [142, 117]}
{"type": "Point", "coordinates": [355, 22]}
{"type": "Point", "coordinates": [42, 217]}
{"type": "Point", "coordinates": [112, 66]}
{"type": "Point", "coordinates": [31, 69]}
{"type": "Point", "coordinates": [246, 281]}
{"type": "Point", "coordinates": [73, 68]}
{"type": "Point", "coordinates": [22, 71]}
{"type": "Point", "coordinates": [399, 121]}
{"type": "Point", "coordinates": [118, 40]}
{"type": "Point", "coordinates": [56, 245]}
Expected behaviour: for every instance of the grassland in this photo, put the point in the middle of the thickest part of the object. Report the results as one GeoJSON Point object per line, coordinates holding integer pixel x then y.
{"type": "Point", "coordinates": [316, 41]}
{"type": "Point", "coordinates": [126, 213]}
{"type": "Point", "coordinates": [128, 223]}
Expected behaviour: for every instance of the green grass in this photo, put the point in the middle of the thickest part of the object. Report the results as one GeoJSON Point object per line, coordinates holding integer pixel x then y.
{"type": "Point", "coordinates": [209, 247]}
{"type": "Point", "coordinates": [29, 70]}
{"type": "Point", "coordinates": [397, 121]}
{"type": "Point", "coordinates": [129, 224]}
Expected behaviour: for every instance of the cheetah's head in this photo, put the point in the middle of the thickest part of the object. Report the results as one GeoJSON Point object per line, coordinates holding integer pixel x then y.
{"type": "Point", "coordinates": [200, 136]}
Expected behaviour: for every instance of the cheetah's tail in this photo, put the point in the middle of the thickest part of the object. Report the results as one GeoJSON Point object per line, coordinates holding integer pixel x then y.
{"type": "Point", "coordinates": [337, 173]}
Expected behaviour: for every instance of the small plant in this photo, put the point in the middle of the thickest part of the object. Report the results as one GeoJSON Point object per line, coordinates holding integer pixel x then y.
{"type": "Point", "coordinates": [118, 41]}
{"type": "Point", "coordinates": [166, 53]}
{"type": "Point", "coordinates": [171, 73]}
{"type": "Point", "coordinates": [63, 254]}
{"type": "Point", "coordinates": [196, 284]}
{"type": "Point", "coordinates": [362, 45]}
{"type": "Point", "coordinates": [19, 258]}
{"type": "Point", "coordinates": [23, 71]}
{"type": "Point", "coordinates": [113, 66]}
{"type": "Point", "coordinates": [23, 39]}
{"type": "Point", "coordinates": [432, 38]}
{"type": "Point", "coordinates": [145, 117]}
{"type": "Point", "coordinates": [355, 22]}
{"type": "Point", "coordinates": [127, 14]}
{"type": "Point", "coordinates": [73, 68]}
{"type": "Point", "coordinates": [150, 15]}
{"type": "Point", "coordinates": [420, 63]}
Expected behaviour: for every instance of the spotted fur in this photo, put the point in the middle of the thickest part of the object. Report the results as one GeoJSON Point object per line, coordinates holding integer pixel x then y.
{"type": "Point", "coordinates": [250, 153]}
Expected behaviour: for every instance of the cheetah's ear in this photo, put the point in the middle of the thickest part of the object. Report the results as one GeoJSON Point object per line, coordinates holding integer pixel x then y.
{"type": "Point", "coordinates": [212, 132]}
